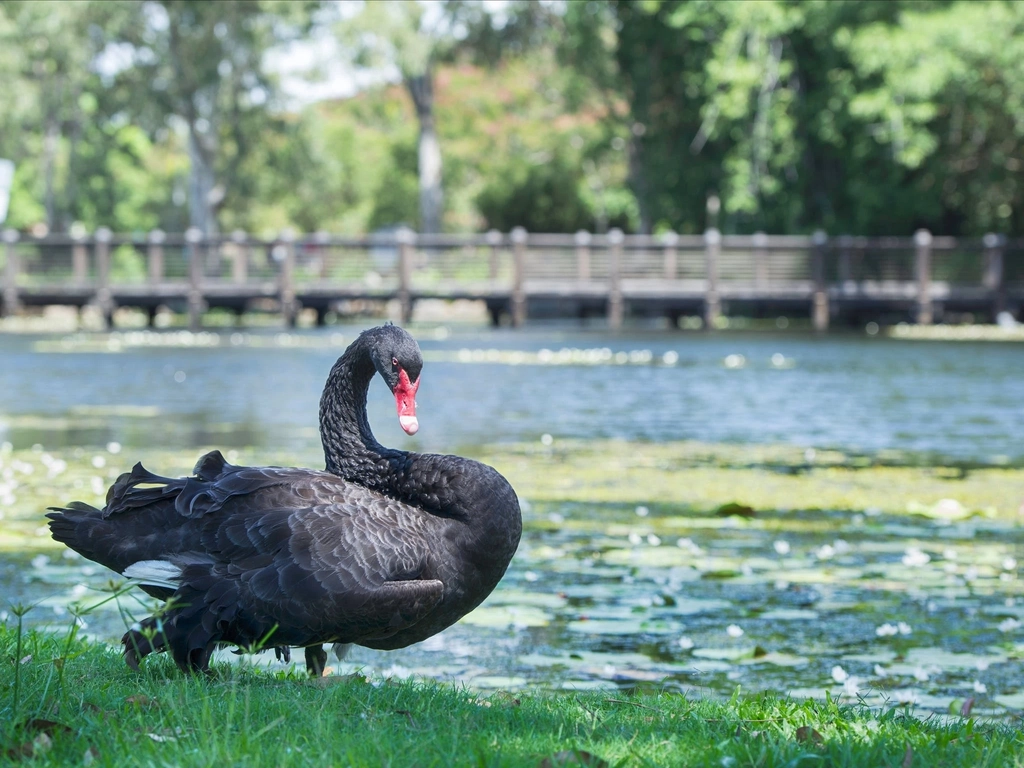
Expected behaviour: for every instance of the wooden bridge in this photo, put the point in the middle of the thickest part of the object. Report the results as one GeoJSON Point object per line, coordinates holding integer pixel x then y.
{"type": "Point", "coordinates": [519, 274]}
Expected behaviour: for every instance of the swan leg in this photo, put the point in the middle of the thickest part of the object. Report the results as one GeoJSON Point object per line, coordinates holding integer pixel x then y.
{"type": "Point", "coordinates": [341, 650]}
{"type": "Point", "coordinates": [171, 631]}
{"type": "Point", "coordinates": [139, 643]}
{"type": "Point", "coordinates": [283, 653]}
{"type": "Point", "coordinates": [316, 660]}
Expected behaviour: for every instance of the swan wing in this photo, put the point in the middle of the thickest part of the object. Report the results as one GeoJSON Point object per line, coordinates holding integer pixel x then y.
{"type": "Point", "coordinates": [300, 554]}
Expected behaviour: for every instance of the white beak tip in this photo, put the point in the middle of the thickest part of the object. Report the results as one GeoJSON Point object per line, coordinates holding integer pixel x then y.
{"type": "Point", "coordinates": [410, 424]}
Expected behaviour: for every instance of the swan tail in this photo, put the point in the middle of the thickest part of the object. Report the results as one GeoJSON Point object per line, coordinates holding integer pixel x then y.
{"type": "Point", "coordinates": [76, 525]}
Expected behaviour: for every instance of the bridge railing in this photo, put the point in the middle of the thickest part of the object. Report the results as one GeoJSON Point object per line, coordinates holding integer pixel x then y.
{"type": "Point", "coordinates": [107, 268]}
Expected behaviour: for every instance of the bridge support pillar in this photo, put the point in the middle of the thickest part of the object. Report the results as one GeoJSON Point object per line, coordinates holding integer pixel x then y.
{"type": "Point", "coordinates": [195, 278]}
{"type": "Point", "coordinates": [615, 302]}
{"type": "Point", "coordinates": [712, 302]}
{"type": "Point", "coordinates": [992, 277]}
{"type": "Point", "coordinates": [669, 256]}
{"type": "Point", "coordinates": [155, 256]}
{"type": "Point", "coordinates": [406, 239]}
{"type": "Point", "coordinates": [582, 241]}
{"type": "Point", "coordinates": [819, 307]}
{"type": "Point", "coordinates": [11, 304]}
{"type": "Point", "coordinates": [923, 270]}
{"type": "Point", "coordinates": [103, 299]}
{"type": "Point", "coordinates": [519, 237]}
{"type": "Point", "coordinates": [79, 255]}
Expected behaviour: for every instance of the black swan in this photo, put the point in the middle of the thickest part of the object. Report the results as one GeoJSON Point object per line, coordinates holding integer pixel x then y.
{"type": "Point", "coordinates": [383, 549]}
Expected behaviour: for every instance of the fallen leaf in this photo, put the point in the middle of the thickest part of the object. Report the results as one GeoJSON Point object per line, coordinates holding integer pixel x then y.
{"type": "Point", "coordinates": [965, 710]}
{"type": "Point", "coordinates": [41, 743]}
{"type": "Point", "coordinates": [26, 659]}
{"type": "Point", "coordinates": [142, 700]}
{"type": "Point", "coordinates": [806, 733]}
{"type": "Point", "coordinates": [504, 697]}
{"type": "Point", "coordinates": [49, 727]}
{"type": "Point", "coordinates": [91, 755]}
{"type": "Point", "coordinates": [908, 757]}
{"type": "Point", "coordinates": [408, 716]}
{"type": "Point", "coordinates": [325, 682]}
{"type": "Point", "coordinates": [568, 757]}
{"type": "Point", "coordinates": [161, 737]}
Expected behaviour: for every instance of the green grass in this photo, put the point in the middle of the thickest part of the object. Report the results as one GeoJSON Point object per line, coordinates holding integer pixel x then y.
{"type": "Point", "coordinates": [68, 702]}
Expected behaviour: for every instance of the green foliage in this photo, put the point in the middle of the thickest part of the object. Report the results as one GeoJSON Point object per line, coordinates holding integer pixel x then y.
{"type": "Point", "coordinates": [127, 265]}
{"type": "Point", "coordinates": [543, 196]}
{"type": "Point", "coordinates": [867, 118]}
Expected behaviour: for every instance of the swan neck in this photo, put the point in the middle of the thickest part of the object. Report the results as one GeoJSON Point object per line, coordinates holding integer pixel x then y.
{"type": "Point", "coordinates": [344, 426]}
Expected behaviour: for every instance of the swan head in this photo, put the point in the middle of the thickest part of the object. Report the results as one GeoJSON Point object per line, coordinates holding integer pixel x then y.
{"type": "Point", "coordinates": [398, 360]}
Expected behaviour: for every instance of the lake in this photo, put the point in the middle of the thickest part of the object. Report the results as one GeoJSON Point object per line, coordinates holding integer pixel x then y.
{"type": "Point", "coordinates": [623, 448]}
{"type": "Point", "coordinates": [962, 401]}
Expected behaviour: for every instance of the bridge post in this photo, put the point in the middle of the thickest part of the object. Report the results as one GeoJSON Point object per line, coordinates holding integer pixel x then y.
{"type": "Point", "coordinates": [519, 237]}
{"type": "Point", "coordinates": [669, 257]}
{"type": "Point", "coordinates": [155, 256]}
{"type": "Point", "coordinates": [615, 302]}
{"type": "Point", "coordinates": [760, 240]}
{"type": "Point", "coordinates": [819, 308]}
{"type": "Point", "coordinates": [406, 239]}
{"type": "Point", "coordinates": [193, 236]}
{"type": "Point", "coordinates": [712, 303]}
{"type": "Point", "coordinates": [923, 270]}
{"type": "Point", "coordinates": [79, 255]}
{"type": "Point", "coordinates": [240, 258]}
{"type": "Point", "coordinates": [289, 307]}
{"type": "Point", "coordinates": [992, 278]}
{"type": "Point", "coordinates": [493, 238]}
{"type": "Point", "coordinates": [104, 300]}
{"type": "Point", "coordinates": [582, 241]}
{"type": "Point", "coordinates": [11, 269]}
{"type": "Point", "coordinates": [845, 268]}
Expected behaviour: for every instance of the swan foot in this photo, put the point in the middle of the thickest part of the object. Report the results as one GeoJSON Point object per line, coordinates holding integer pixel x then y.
{"type": "Point", "coordinates": [283, 653]}
{"type": "Point", "coordinates": [139, 643]}
{"type": "Point", "coordinates": [316, 660]}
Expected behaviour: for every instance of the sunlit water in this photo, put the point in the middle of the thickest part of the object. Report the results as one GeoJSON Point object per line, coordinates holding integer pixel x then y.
{"type": "Point", "coordinates": [960, 400]}
{"type": "Point", "coordinates": [612, 595]}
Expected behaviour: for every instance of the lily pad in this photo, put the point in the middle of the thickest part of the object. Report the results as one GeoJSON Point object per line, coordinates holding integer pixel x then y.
{"type": "Point", "coordinates": [623, 627]}
{"type": "Point", "coordinates": [507, 616]}
{"type": "Point", "coordinates": [1010, 700]}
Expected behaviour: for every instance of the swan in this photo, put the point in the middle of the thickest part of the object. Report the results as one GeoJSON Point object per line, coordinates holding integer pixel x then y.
{"type": "Point", "coordinates": [382, 549]}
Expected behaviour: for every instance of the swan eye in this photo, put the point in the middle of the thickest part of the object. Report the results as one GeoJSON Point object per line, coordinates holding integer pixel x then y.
{"type": "Point", "coordinates": [394, 361]}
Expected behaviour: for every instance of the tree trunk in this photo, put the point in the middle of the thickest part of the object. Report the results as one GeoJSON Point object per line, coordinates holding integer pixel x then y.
{"type": "Point", "coordinates": [638, 180]}
{"type": "Point", "coordinates": [200, 186]}
{"type": "Point", "coordinates": [421, 88]}
{"type": "Point", "coordinates": [50, 141]}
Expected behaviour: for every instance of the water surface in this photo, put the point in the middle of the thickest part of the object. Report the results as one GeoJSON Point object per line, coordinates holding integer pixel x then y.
{"type": "Point", "coordinates": [855, 602]}
{"type": "Point", "coordinates": [964, 401]}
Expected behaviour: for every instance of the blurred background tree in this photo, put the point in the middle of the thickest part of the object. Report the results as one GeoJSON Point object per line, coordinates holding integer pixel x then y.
{"type": "Point", "coordinates": [867, 118]}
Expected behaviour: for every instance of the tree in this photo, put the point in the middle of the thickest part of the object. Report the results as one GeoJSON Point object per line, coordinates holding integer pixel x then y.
{"type": "Point", "coordinates": [402, 35]}
{"type": "Point", "coordinates": [945, 93]}
{"type": "Point", "coordinates": [413, 37]}
{"type": "Point", "coordinates": [201, 65]}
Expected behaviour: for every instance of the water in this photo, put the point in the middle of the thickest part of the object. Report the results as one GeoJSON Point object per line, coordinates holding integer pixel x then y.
{"type": "Point", "coordinates": [963, 401]}
{"type": "Point", "coordinates": [610, 594]}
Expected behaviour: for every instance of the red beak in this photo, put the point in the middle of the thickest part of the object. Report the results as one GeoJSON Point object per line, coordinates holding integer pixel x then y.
{"type": "Point", "coordinates": [405, 401]}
